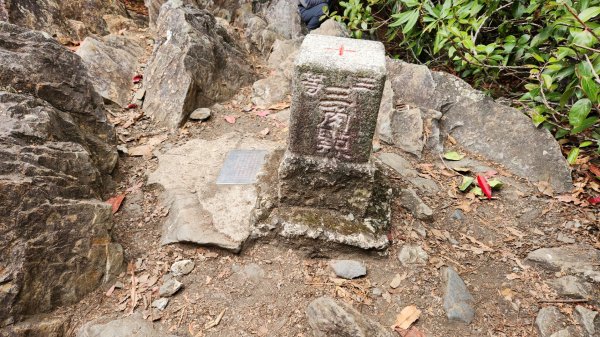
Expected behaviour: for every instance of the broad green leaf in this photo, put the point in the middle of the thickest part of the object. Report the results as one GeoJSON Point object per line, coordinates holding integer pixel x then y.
{"type": "Point", "coordinates": [412, 20]}
{"type": "Point", "coordinates": [582, 38]}
{"type": "Point", "coordinates": [579, 112]}
{"type": "Point", "coordinates": [495, 183]}
{"type": "Point", "coordinates": [477, 191]}
{"type": "Point", "coordinates": [589, 13]}
{"type": "Point", "coordinates": [573, 154]}
{"type": "Point", "coordinates": [453, 155]}
{"type": "Point", "coordinates": [537, 119]}
{"type": "Point", "coordinates": [591, 88]}
{"type": "Point", "coordinates": [587, 123]}
{"type": "Point", "coordinates": [467, 181]}
{"type": "Point", "coordinates": [547, 80]}
{"type": "Point", "coordinates": [586, 144]}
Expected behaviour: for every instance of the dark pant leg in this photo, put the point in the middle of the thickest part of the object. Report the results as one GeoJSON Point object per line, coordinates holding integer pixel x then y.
{"type": "Point", "coordinates": [312, 16]}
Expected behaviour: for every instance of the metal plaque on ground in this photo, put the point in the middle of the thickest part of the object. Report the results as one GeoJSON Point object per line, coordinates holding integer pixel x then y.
{"type": "Point", "coordinates": [241, 167]}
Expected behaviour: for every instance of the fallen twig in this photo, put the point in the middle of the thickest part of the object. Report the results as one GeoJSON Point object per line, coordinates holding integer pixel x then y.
{"type": "Point", "coordinates": [566, 300]}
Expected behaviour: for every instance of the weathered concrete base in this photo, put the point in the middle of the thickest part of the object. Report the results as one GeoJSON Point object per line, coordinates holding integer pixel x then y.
{"type": "Point", "coordinates": [326, 183]}
{"type": "Point", "coordinates": [338, 225]}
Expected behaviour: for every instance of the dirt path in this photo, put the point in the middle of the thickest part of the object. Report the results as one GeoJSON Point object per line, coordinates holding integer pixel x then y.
{"type": "Point", "coordinates": [265, 289]}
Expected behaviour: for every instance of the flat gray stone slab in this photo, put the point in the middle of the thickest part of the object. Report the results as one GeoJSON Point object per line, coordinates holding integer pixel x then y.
{"type": "Point", "coordinates": [200, 211]}
{"type": "Point", "coordinates": [241, 167]}
{"type": "Point", "coordinates": [348, 269]}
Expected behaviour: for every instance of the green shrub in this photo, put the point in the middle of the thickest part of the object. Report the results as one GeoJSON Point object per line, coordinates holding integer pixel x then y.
{"type": "Point", "coordinates": [546, 51]}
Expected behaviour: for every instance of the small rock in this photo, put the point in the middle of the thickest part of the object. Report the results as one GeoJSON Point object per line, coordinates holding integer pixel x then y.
{"type": "Point", "coordinates": [420, 229]}
{"type": "Point", "coordinates": [377, 292]}
{"type": "Point", "coordinates": [182, 267]}
{"type": "Point", "coordinates": [579, 258]}
{"type": "Point", "coordinates": [402, 166]}
{"type": "Point", "coordinates": [411, 201]}
{"type": "Point", "coordinates": [169, 288]}
{"type": "Point", "coordinates": [565, 238]}
{"type": "Point", "coordinates": [457, 299]}
{"type": "Point", "coordinates": [424, 185]}
{"type": "Point", "coordinates": [412, 254]}
{"type": "Point", "coordinates": [395, 283]}
{"type": "Point", "coordinates": [329, 318]}
{"type": "Point", "coordinates": [458, 215]}
{"type": "Point", "coordinates": [139, 94]}
{"type": "Point", "coordinates": [160, 303]}
{"type": "Point", "coordinates": [570, 286]}
{"type": "Point", "coordinates": [200, 114]}
{"type": "Point", "coordinates": [573, 224]}
{"type": "Point", "coordinates": [348, 269]}
{"type": "Point", "coordinates": [549, 321]}
{"type": "Point", "coordinates": [589, 321]}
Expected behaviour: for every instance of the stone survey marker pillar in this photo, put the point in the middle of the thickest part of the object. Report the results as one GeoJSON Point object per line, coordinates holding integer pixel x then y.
{"type": "Point", "coordinates": [326, 171]}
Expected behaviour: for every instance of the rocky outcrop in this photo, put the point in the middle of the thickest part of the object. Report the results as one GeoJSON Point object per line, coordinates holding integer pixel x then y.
{"type": "Point", "coordinates": [65, 20]}
{"type": "Point", "coordinates": [436, 104]}
{"type": "Point", "coordinates": [328, 317]}
{"type": "Point", "coordinates": [56, 152]}
{"type": "Point", "coordinates": [112, 61]}
{"type": "Point", "coordinates": [195, 63]}
{"type": "Point", "coordinates": [282, 17]}
{"type": "Point", "coordinates": [221, 8]}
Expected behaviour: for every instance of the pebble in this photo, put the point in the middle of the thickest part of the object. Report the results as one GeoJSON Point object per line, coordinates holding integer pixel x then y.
{"type": "Point", "coordinates": [182, 267]}
{"type": "Point", "coordinates": [139, 94]}
{"type": "Point", "coordinates": [412, 254]}
{"type": "Point", "coordinates": [348, 269]}
{"type": "Point", "coordinates": [549, 321]}
{"type": "Point", "coordinates": [458, 215]}
{"type": "Point", "coordinates": [565, 238]}
{"type": "Point", "coordinates": [411, 201]}
{"type": "Point", "coordinates": [200, 114]}
{"type": "Point", "coordinates": [420, 229]}
{"type": "Point", "coordinates": [160, 303]}
{"type": "Point", "coordinates": [589, 320]}
{"type": "Point", "coordinates": [457, 299]}
{"type": "Point", "coordinates": [169, 288]}
{"type": "Point", "coordinates": [396, 281]}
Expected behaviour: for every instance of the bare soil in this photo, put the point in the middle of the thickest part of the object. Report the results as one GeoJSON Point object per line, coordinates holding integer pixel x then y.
{"type": "Point", "coordinates": [264, 290]}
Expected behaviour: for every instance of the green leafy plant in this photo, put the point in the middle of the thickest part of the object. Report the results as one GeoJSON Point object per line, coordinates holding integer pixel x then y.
{"type": "Point", "coordinates": [357, 15]}
{"type": "Point", "coordinates": [544, 54]}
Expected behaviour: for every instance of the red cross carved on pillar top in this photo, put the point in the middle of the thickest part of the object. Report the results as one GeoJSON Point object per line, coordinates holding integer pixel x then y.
{"type": "Point", "coordinates": [341, 50]}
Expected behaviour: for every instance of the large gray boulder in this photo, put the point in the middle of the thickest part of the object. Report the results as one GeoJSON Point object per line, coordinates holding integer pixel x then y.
{"type": "Point", "coordinates": [56, 152]}
{"type": "Point", "coordinates": [216, 6]}
{"type": "Point", "coordinates": [329, 318]}
{"type": "Point", "coordinates": [195, 64]}
{"type": "Point", "coordinates": [283, 18]}
{"type": "Point", "coordinates": [441, 104]}
{"type": "Point", "coordinates": [65, 20]}
{"type": "Point", "coordinates": [112, 61]}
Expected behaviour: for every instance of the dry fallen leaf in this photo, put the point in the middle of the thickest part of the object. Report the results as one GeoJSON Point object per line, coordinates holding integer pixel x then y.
{"type": "Point", "coordinates": [216, 322]}
{"type": "Point", "coordinates": [116, 202]}
{"type": "Point", "coordinates": [230, 119]}
{"type": "Point", "coordinates": [141, 151]}
{"type": "Point", "coordinates": [545, 188]}
{"type": "Point", "coordinates": [280, 106]}
{"type": "Point", "coordinates": [406, 317]}
{"type": "Point", "coordinates": [262, 113]}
